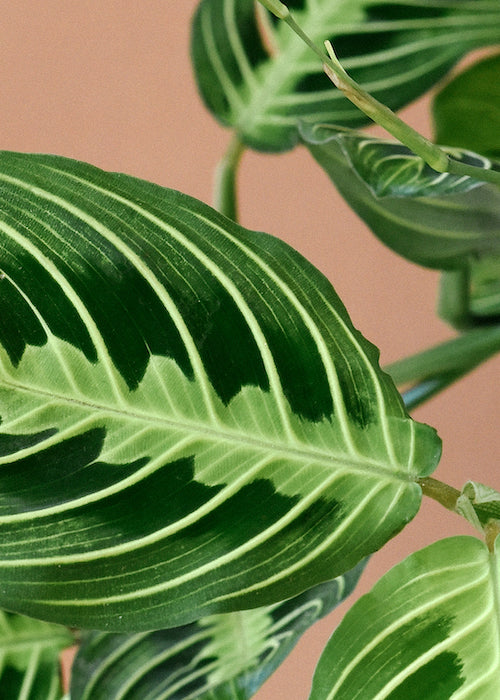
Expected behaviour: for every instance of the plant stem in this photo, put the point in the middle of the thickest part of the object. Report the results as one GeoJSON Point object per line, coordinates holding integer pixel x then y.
{"type": "Point", "coordinates": [427, 388]}
{"type": "Point", "coordinates": [444, 494]}
{"type": "Point", "coordinates": [436, 368]}
{"type": "Point", "coordinates": [225, 198]}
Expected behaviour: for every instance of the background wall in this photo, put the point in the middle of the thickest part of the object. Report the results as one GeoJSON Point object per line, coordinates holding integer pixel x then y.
{"type": "Point", "coordinates": [111, 83]}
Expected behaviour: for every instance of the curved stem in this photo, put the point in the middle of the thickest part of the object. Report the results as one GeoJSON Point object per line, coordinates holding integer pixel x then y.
{"type": "Point", "coordinates": [225, 198]}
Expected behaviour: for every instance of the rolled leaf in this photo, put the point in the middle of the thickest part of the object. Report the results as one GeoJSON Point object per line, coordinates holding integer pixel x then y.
{"type": "Point", "coordinates": [433, 219]}
{"type": "Point", "coordinates": [29, 658]}
{"type": "Point", "coordinates": [467, 110]}
{"type": "Point", "coordinates": [258, 78]}
{"type": "Point", "coordinates": [428, 629]}
{"type": "Point", "coordinates": [392, 170]}
{"type": "Point", "coordinates": [190, 423]}
{"type": "Point", "coordinates": [222, 656]}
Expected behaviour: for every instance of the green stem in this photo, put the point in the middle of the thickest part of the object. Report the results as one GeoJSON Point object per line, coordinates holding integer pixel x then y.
{"type": "Point", "coordinates": [225, 197]}
{"type": "Point", "coordinates": [427, 388]}
{"type": "Point", "coordinates": [434, 369]}
{"type": "Point", "coordinates": [430, 153]}
{"type": "Point", "coordinates": [444, 494]}
{"type": "Point", "coordinates": [465, 351]}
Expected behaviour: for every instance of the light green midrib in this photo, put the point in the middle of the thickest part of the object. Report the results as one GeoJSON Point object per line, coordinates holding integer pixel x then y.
{"type": "Point", "coordinates": [297, 452]}
{"type": "Point", "coordinates": [280, 72]}
{"type": "Point", "coordinates": [281, 69]}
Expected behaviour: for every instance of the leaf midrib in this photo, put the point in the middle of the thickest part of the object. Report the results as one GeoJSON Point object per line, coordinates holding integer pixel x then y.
{"type": "Point", "coordinates": [299, 452]}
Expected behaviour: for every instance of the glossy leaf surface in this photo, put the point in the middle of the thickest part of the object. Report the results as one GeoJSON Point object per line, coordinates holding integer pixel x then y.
{"type": "Point", "coordinates": [429, 628]}
{"type": "Point", "coordinates": [444, 230]}
{"type": "Point", "coordinates": [467, 110]}
{"type": "Point", "coordinates": [190, 423]}
{"type": "Point", "coordinates": [223, 656]}
{"type": "Point", "coordinates": [258, 78]}
{"type": "Point", "coordinates": [29, 658]}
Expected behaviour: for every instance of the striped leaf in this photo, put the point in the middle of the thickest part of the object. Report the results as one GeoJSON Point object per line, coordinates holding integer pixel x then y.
{"type": "Point", "coordinates": [222, 656]}
{"type": "Point", "coordinates": [430, 628]}
{"type": "Point", "coordinates": [190, 423]}
{"type": "Point", "coordinates": [443, 231]}
{"type": "Point", "coordinates": [260, 79]}
{"type": "Point", "coordinates": [29, 658]}
{"type": "Point", "coordinates": [467, 110]}
{"type": "Point", "coordinates": [392, 170]}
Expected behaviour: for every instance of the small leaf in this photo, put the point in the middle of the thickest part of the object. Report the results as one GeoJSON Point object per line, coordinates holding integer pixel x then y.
{"type": "Point", "coordinates": [260, 79]}
{"type": "Point", "coordinates": [467, 110]}
{"type": "Point", "coordinates": [222, 656]}
{"type": "Point", "coordinates": [392, 170]}
{"type": "Point", "coordinates": [453, 229]}
{"type": "Point", "coordinates": [29, 653]}
{"type": "Point", "coordinates": [428, 629]}
{"type": "Point", "coordinates": [484, 499]}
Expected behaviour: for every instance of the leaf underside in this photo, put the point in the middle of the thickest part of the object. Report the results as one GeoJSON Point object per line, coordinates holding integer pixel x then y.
{"type": "Point", "coordinates": [190, 423]}
{"type": "Point", "coordinates": [467, 110]}
{"type": "Point", "coordinates": [259, 79]}
{"type": "Point", "coordinates": [436, 220]}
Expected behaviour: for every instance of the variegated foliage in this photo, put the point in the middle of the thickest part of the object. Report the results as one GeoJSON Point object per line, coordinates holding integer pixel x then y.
{"type": "Point", "coordinates": [257, 77]}
{"type": "Point", "coordinates": [221, 656]}
{"type": "Point", "coordinates": [430, 628]}
{"type": "Point", "coordinates": [29, 658]}
{"type": "Point", "coordinates": [190, 423]}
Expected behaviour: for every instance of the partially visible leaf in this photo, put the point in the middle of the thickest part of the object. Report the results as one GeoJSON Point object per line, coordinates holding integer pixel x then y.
{"type": "Point", "coordinates": [429, 628]}
{"type": "Point", "coordinates": [29, 658]}
{"type": "Point", "coordinates": [191, 425]}
{"type": "Point", "coordinates": [467, 110]}
{"type": "Point", "coordinates": [484, 499]}
{"type": "Point", "coordinates": [223, 656]}
{"type": "Point", "coordinates": [446, 231]}
{"type": "Point", "coordinates": [258, 78]}
{"type": "Point", "coordinates": [485, 287]}
{"type": "Point", "coordinates": [392, 170]}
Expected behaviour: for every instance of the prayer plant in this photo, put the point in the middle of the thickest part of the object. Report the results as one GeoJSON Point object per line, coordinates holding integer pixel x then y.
{"type": "Point", "coordinates": [198, 450]}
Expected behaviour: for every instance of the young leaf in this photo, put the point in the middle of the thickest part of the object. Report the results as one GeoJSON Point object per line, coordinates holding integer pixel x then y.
{"type": "Point", "coordinates": [223, 656]}
{"type": "Point", "coordinates": [467, 110]}
{"type": "Point", "coordinates": [29, 653]}
{"type": "Point", "coordinates": [428, 629]}
{"type": "Point", "coordinates": [392, 170]}
{"type": "Point", "coordinates": [445, 230]}
{"type": "Point", "coordinates": [190, 423]}
{"type": "Point", "coordinates": [258, 78]}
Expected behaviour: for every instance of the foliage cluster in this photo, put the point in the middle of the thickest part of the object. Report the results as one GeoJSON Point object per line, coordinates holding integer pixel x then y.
{"type": "Point", "coordinates": [199, 451]}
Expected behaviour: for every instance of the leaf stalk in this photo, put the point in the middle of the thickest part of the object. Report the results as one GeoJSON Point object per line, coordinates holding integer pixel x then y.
{"type": "Point", "coordinates": [225, 186]}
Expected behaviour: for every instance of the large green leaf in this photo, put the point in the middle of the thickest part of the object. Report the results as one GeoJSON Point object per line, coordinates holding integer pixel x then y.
{"type": "Point", "coordinates": [467, 110]}
{"type": "Point", "coordinates": [257, 77]}
{"type": "Point", "coordinates": [433, 219]}
{"type": "Point", "coordinates": [222, 656]}
{"type": "Point", "coordinates": [29, 658]}
{"type": "Point", "coordinates": [430, 628]}
{"type": "Point", "coordinates": [190, 423]}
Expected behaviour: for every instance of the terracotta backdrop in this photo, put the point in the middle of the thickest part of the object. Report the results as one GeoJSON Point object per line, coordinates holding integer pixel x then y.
{"type": "Point", "coordinates": [111, 83]}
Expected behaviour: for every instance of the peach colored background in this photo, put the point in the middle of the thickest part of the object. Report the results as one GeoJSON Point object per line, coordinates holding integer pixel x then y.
{"type": "Point", "coordinates": [110, 83]}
